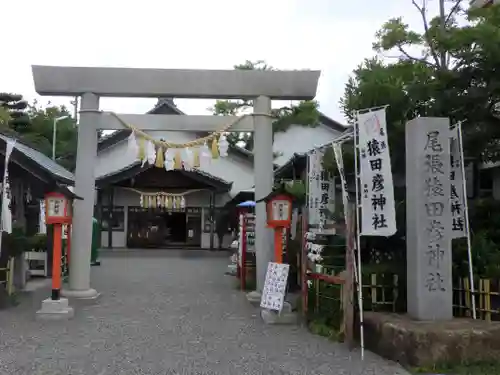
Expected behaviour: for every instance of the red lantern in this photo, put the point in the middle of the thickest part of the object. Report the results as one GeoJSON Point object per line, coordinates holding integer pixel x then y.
{"type": "Point", "coordinates": [279, 217]}
{"type": "Point", "coordinates": [279, 211]}
{"type": "Point", "coordinates": [58, 208]}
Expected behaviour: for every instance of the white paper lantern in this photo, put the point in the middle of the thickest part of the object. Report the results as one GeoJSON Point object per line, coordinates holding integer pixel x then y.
{"type": "Point", "coordinates": [183, 203]}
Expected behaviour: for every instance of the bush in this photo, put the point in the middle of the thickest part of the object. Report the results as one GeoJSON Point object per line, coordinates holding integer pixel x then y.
{"type": "Point", "coordinates": [485, 257]}
{"type": "Point", "coordinates": [484, 218]}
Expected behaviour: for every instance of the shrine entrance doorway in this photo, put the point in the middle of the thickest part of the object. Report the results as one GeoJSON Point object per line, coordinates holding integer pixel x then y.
{"type": "Point", "coordinates": [157, 228]}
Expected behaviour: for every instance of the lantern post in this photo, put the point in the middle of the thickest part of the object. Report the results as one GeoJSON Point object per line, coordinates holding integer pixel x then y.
{"type": "Point", "coordinates": [59, 213]}
{"type": "Point", "coordinates": [279, 217]}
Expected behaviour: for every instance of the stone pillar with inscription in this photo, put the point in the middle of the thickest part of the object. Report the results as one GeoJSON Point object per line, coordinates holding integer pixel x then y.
{"type": "Point", "coordinates": [428, 218]}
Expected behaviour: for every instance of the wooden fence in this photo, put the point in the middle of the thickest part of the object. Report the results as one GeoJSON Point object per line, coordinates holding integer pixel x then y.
{"type": "Point", "coordinates": [383, 292]}
{"type": "Point", "coordinates": [8, 279]}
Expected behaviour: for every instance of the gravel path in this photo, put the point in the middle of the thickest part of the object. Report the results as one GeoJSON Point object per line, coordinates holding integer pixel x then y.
{"type": "Point", "coordinates": [167, 313]}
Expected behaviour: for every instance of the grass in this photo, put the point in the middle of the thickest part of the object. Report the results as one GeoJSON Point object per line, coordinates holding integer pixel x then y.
{"type": "Point", "coordinates": [320, 328]}
{"type": "Point", "coordinates": [479, 368]}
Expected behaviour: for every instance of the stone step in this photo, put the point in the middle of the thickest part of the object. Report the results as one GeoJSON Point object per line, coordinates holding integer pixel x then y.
{"type": "Point", "coordinates": [273, 317]}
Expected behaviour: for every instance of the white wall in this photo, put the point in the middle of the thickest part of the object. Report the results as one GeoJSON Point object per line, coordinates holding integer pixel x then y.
{"type": "Point", "coordinates": [231, 169]}
{"type": "Point", "coordinates": [235, 169]}
{"type": "Point", "coordinates": [300, 139]}
{"type": "Point", "coordinates": [116, 157]}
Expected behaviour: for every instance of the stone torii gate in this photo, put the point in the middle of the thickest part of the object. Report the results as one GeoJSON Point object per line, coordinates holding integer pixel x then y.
{"type": "Point", "coordinates": [93, 83]}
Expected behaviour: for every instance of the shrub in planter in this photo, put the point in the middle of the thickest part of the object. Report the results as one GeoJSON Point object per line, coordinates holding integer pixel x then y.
{"type": "Point", "coordinates": [15, 243]}
{"type": "Point", "coordinates": [38, 242]}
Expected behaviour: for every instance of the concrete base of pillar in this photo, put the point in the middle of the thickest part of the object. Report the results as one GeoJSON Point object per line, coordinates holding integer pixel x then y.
{"type": "Point", "coordinates": [55, 310]}
{"type": "Point", "coordinates": [286, 316]}
{"type": "Point", "coordinates": [254, 298]}
{"type": "Point", "coordinates": [89, 294]}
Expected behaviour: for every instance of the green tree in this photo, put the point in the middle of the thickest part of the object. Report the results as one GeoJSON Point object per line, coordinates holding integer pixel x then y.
{"type": "Point", "coordinates": [33, 125]}
{"type": "Point", "coordinates": [41, 132]}
{"type": "Point", "coordinates": [303, 113]}
{"type": "Point", "coordinates": [13, 112]}
{"type": "Point", "coordinates": [454, 74]}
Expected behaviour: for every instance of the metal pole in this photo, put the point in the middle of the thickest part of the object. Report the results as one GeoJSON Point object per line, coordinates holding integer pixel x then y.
{"type": "Point", "coordinates": [75, 107]}
{"type": "Point", "coordinates": [54, 131]}
{"type": "Point", "coordinates": [305, 230]}
{"type": "Point", "coordinates": [358, 241]}
{"type": "Point", "coordinates": [466, 214]}
{"type": "Point", "coordinates": [442, 27]}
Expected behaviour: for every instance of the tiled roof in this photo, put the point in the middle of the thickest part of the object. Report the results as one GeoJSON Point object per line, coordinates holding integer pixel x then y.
{"type": "Point", "coordinates": [59, 173]}
{"type": "Point", "coordinates": [122, 174]}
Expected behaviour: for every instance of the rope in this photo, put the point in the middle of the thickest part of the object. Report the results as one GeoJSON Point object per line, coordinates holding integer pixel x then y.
{"type": "Point", "coordinates": [165, 194]}
{"type": "Point", "coordinates": [165, 144]}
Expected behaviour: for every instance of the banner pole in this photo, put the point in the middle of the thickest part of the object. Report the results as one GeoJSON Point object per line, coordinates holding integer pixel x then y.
{"type": "Point", "coordinates": [466, 214]}
{"type": "Point", "coordinates": [358, 240]}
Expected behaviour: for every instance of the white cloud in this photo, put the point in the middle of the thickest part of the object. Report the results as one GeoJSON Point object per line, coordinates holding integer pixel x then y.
{"type": "Point", "coordinates": [333, 36]}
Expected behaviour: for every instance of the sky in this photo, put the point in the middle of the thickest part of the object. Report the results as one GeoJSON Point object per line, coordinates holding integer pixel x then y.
{"type": "Point", "coordinates": [333, 36]}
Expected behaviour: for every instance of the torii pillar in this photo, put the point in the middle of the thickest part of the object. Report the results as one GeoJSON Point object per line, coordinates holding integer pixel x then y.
{"type": "Point", "coordinates": [92, 83]}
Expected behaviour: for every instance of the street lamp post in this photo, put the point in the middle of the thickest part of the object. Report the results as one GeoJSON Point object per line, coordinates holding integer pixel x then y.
{"type": "Point", "coordinates": [54, 132]}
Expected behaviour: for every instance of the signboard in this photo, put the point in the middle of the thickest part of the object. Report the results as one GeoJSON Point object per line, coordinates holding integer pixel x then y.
{"type": "Point", "coordinates": [273, 294]}
{"type": "Point", "coordinates": [377, 189]}
{"type": "Point", "coordinates": [240, 238]}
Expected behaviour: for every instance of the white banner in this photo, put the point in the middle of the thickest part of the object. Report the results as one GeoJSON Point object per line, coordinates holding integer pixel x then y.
{"type": "Point", "coordinates": [337, 151]}
{"type": "Point", "coordinates": [377, 189]}
{"type": "Point", "coordinates": [314, 186]}
{"type": "Point", "coordinates": [457, 187]}
{"type": "Point", "coordinates": [6, 220]}
{"type": "Point", "coordinates": [321, 195]}
{"type": "Point", "coordinates": [42, 226]}
{"type": "Point", "coordinates": [65, 232]}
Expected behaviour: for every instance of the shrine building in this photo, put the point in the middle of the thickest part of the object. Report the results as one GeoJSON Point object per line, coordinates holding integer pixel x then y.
{"type": "Point", "coordinates": [191, 200]}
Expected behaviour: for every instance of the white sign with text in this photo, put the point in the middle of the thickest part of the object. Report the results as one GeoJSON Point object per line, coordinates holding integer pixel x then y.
{"type": "Point", "coordinates": [275, 284]}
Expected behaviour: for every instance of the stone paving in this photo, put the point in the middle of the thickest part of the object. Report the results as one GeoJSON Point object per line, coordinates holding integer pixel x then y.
{"type": "Point", "coordinates": [167, 313]}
